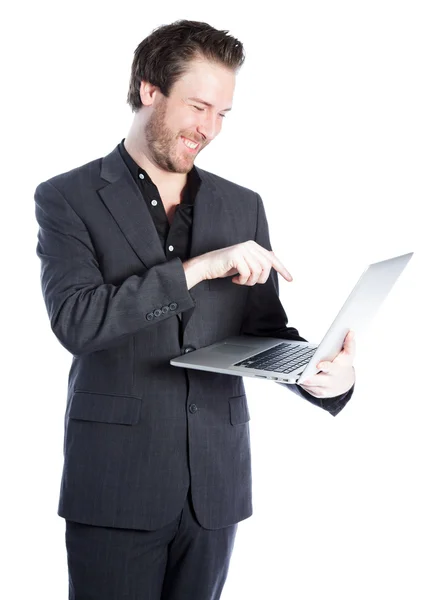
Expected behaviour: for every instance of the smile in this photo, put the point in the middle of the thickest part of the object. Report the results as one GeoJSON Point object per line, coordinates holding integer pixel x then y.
{"type": "Point", "coordinates": [191, 145]}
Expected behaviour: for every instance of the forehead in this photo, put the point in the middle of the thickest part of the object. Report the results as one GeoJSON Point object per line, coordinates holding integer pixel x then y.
{"type": "Point", "coordinates": [208, 81]}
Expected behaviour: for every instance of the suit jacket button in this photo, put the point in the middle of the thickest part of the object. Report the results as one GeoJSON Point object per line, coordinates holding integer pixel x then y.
{"type": "Point", "coordinates": [157, 312]}
{"type": "Point", "coordinates": [165, 309]}
{"type": "Point", "coordinates": [173, 305]}
{"type": "Point", "coordinates": [188, 349]}
{"type": "Point", "coordinates": [193, 408]}
{"type": "Point", "coordinates": [149, 316]}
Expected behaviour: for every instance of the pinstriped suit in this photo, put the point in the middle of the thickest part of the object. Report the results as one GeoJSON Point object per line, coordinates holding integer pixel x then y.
{"type": "Point", "coordinates": [138, 432]}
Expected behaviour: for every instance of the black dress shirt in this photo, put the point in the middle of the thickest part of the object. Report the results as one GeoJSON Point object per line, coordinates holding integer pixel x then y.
{"type": "Point", "coordinates": [175, 238]}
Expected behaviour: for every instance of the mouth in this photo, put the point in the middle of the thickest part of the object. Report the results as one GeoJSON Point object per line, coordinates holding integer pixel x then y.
{"type": "Point", "coordinates": [190, 146]}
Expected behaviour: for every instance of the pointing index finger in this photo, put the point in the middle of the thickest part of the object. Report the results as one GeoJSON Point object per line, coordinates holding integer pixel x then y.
{"type": "Point", "coordinates": [278, 266]}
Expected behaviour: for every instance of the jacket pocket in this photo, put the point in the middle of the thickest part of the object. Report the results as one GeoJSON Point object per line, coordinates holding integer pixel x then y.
{"type": "Point", "coordinates": [105, 408]}
{"type": "Point", "coordinates": [239, 412]}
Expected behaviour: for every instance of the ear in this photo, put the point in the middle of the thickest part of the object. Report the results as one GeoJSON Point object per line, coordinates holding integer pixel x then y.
{"type": "Point", "coordinates": [148, 93]}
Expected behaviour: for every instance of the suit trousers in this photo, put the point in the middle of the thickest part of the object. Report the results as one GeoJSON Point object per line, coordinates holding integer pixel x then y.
{"type": "Point", "coordinates": [180, 561]}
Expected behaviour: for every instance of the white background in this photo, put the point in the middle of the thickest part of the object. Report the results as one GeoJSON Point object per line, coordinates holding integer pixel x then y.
{"type": "Point", "coordinates": [326, 128]}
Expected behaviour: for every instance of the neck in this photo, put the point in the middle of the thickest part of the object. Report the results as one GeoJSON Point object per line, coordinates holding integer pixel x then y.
{"type": "Point", "coordinates": [164, 180]}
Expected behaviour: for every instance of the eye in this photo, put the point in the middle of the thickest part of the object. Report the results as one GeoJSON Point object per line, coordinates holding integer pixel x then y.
{"type": "Point", "coordinates": [202, 109]}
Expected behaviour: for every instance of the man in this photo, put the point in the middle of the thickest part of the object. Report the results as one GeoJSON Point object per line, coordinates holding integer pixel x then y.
{"type": "Point", "coordinates": [145, 256]}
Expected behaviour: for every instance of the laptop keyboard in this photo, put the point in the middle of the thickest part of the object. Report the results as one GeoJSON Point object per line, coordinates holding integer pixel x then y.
{"type": "Point", "coordinates": [283, 358]}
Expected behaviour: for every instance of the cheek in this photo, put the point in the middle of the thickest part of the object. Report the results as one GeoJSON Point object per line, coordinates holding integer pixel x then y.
{"type": "Point", "coordinates": [181, 121]}
{"type": "Point", "coordinates": [189, 124]}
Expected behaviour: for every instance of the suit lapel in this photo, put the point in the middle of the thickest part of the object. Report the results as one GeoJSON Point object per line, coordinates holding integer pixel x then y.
{"type": "Point", "coordinates": [218, 217]}
{"type": "Point", "coordinates": [209, 217]}
{"type": "Point", "coordinates": [121, 197]}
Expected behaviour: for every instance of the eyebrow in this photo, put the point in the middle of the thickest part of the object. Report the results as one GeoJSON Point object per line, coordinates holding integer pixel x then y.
{"type": "Point", "coordinates": [206, 103]}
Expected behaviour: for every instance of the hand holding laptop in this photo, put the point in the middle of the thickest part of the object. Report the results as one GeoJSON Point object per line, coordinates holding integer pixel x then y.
{"type": "Point", "coordinates": [248, 261]}
{"type": "Point", "coordinates": [335, 377]}
{"type": "Point", "coordinates": [297, 362]}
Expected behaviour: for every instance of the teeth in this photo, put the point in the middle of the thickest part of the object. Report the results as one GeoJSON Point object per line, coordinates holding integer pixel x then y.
{"type": "Point", "coordinates": [190, 144]}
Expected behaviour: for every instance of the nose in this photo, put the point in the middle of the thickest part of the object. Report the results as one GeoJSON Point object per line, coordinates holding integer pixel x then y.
{"type": "Point", "coordinates": [209, 127]}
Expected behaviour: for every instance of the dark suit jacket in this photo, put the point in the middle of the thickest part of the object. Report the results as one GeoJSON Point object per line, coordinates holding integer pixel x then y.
{"type": "Point", "coordinates": [136, 428]}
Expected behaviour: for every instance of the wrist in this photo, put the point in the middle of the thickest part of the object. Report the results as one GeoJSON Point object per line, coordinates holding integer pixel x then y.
{"type": "Point", "coordinates": [193, 271]}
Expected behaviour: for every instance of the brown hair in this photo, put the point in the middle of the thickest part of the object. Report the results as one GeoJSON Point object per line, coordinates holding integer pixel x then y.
{"type": "Point", "coordinates": [163, 57]}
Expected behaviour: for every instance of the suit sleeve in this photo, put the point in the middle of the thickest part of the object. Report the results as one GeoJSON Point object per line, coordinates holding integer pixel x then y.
{"type": "Point", "coordinates": [265, 316]}
{"type": "Point", "coordinates": [85, 313]}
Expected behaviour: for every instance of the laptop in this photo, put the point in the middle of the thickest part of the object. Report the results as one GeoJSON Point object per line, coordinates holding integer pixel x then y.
{"type": "Point", "coordinates": [290, 361]}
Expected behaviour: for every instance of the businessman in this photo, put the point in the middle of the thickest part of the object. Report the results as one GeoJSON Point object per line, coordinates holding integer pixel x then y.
{"type": "Point", "coordinates": [145, 256]}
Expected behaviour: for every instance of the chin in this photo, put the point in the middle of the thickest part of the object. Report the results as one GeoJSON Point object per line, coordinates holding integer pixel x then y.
{"type": "Point", "coordinates": [183, 166]}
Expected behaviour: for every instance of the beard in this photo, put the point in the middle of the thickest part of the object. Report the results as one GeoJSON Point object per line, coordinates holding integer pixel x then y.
{"type": "Point", "coordinates": [163, 145]}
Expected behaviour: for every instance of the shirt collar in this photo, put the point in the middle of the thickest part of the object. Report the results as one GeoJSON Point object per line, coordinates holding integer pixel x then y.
{"type": "Point", "coordinates": [193, 179]}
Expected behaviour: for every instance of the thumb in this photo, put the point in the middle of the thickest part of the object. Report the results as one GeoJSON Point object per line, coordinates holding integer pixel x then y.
{"type": "Point", "coordinates": [349, 344]}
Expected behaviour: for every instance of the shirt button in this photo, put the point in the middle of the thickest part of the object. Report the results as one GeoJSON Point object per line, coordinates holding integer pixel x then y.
{"type": "Point", "coordinates": [141, 176]}
{"type": "Point", "coordinates": [170, 248]}
{"type": "Point", "coordinates": [154, 202]}
{"type": "Point", "coordinates": [193, 408]}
